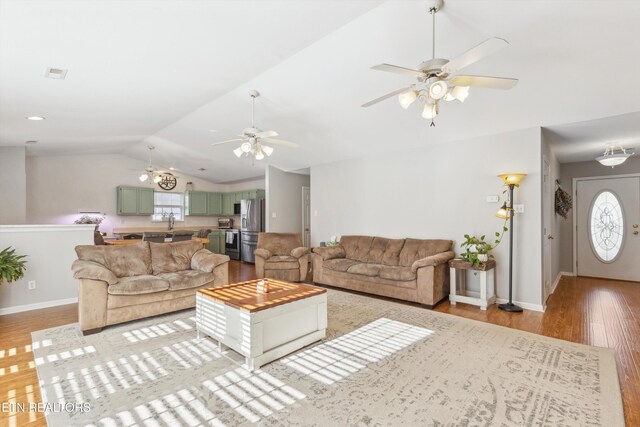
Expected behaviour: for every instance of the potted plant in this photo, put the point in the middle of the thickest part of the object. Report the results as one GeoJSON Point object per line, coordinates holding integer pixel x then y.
{"type": "Point", "coordinates": [477, 249]}
{"type": "Point", "coordinates": [12, 266]}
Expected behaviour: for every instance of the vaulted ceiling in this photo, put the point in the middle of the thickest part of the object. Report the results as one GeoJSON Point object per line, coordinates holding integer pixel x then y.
{"type": "Point", "coordinates": [176, 74]}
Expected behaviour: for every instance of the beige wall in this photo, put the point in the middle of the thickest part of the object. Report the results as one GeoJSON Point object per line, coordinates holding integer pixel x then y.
{"type": "Point", "coordinates": [284, 200]}
{"type": "Point", "coordinates": [60, 186]}
{"type": "Point", "coordinates": [439, 192]}
{"type": "Point", "coordinates": [568, 171]}
{"type": "Point", "coordinates": [13, 185]}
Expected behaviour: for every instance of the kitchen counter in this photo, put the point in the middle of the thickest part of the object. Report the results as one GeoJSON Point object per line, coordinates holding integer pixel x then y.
{"type": "Point", "coordinates": [160, 228]}
{"type": "Point", "coordinates": [120, 242]}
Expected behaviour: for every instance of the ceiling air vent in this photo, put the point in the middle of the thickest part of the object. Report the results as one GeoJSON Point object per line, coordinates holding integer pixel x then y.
{"type": "Point", "coordinates": [55, 73]}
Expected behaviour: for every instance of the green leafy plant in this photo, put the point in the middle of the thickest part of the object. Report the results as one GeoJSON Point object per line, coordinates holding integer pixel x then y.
{"type": "Point", "coordinates": [12, 266]}
{"type": "Point", "coordinates": [88, 219]}
{"type": "Point", "coordinates": [475, 246]}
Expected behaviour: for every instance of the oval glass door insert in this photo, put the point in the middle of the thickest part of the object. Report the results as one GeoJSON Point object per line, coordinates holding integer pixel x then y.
{"type": "Point", "coordinates": [607, 226]}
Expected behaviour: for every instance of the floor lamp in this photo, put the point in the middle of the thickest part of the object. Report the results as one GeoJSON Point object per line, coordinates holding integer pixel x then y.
{"type": "Point", "coordinates": [511, 180]}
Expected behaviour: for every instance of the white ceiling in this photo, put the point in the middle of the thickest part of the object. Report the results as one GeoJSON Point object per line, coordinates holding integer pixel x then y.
{"type": "Point", "coordinates": [583, 141]}
{"type": "Point", "coordinates": [168, 72]}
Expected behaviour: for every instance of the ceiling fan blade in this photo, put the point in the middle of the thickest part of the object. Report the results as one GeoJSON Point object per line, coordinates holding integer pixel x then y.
{"type": "Point", "coordinates": [398, 70]}
{"type": "Point", "coordinates": [228, 141]}
{"type": "Point", "coordinates": [475, 54]}
{"type": "Point", "coordinates": [383, 97]}
{"type": "Point", "coordinates": [266, 134]}
{"type": "Point", "coordinates": [280, 142]}
{"type": "Point", "coordinates": [484, 81]}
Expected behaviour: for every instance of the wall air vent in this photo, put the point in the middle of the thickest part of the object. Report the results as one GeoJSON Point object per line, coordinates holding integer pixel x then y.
{"type": "Point", "coordinates": [55, 73]}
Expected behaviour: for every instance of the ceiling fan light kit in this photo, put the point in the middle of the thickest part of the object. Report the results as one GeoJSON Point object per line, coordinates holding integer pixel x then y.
{"type": "Point", "coordinates": [614, 155]}
{"type": "Point", "coordinates": [252, 138]}
{"type": "Point", "coordinates": [435, 80]}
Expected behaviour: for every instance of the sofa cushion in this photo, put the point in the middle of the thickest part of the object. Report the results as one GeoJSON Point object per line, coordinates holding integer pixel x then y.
{"type": "Point", "coordinates": [385, 251]}
{"type": "Point", "coordinates": [339, 264]}
{"type": "Point", "coordinates": [170, 257]}
{"type": "Point", "coordinates": [357, 247]}
{"type": "Point", "coordinates": [186, 279]}
{"type": "Point", "coordinates": [397, 273]}
{"type": "Point", "coordinates": [415, 249]}
{"type": "Point", "coordinates": [136, 285]}
{"type": "Point", "coordinates": [122, 260]}
{"type": "Point", "coordinates": [364, 269]}
{"type": "Point", "coordinates": [279, 243]}
{"type": "Point", "coordinates": [282, 262]}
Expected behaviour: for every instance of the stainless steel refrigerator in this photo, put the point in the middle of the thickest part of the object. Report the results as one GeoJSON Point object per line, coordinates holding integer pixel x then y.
{"type": "Point", "coordinates": [251, 223]}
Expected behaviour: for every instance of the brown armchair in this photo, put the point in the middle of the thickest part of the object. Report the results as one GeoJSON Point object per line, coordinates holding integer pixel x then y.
{"type": "Point", "coordinates": [281, 256]}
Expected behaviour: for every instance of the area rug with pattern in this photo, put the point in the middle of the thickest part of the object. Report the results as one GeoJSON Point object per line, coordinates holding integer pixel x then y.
{"type": "Point", "coordinates": [382, 363]}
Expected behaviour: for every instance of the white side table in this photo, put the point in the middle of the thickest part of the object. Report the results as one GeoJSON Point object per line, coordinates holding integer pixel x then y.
{"type": "Point", "coordinates": [460, 294]}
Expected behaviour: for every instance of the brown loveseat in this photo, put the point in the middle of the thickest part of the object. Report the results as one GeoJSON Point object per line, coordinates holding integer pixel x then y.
{"type": "Point", "coordinates": [407, 269]}
{"type": "Point", "coordinates": [281, 256]}
{"type": "Point", "coordinates": [122, 283]}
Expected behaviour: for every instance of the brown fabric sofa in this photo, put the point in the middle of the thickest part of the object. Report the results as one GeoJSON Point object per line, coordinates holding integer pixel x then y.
{"type": "Point", "coordinates": [122, 283]}
{"type": "Point", "coordinates": [408, 269]}
{"type": "Point", "coordinates": [281, 256]}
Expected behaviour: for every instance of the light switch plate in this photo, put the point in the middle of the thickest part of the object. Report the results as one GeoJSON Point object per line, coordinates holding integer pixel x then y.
{"type": "Point", "coordinates": [518, 208]}
{"type": "Point", "coordinates": [273, 214]}
{"type": "Point", "coordinates": [493, 199]}
{"type": "Point", "coordinates": [32, 284]}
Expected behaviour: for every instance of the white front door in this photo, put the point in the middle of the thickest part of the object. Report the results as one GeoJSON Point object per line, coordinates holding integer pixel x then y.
{"type": "Point", "coordinates": [607, 233]}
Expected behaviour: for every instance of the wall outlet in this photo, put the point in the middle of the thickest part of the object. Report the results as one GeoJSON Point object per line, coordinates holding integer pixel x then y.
{"type": "Point", "coordinates": [518, 208]}
{"type": "Point", "coordinates": [32, 284]}
{"type": "Point", "coordinates": [273, 214]}
{"type": "Point", "coordinates": [493, 199]}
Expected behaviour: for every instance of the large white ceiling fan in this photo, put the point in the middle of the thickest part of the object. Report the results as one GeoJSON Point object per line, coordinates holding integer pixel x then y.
{"type": "Point", "coordinates": [253, 138]}
{"type": "Point", "coordinates": [152, 173]}
{"type": "Point", "coordinates": [435, 80]}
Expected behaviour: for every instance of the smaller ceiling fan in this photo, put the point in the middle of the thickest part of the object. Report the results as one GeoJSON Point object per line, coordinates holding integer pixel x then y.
{"type": "Point", "coordinates": [435, 80]}
{"type": "Point", "coordinates": [155, 175]}
{"type": "Point", "coordinates": [253, 138]}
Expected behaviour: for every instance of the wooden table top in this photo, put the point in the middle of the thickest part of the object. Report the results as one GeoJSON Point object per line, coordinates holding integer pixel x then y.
{"type": "Point", "coordinates": [119, 242]}
{"type": "Point", "coordinates": [466, 265]}
{"type": "Point", "coordinates": [245, 296]}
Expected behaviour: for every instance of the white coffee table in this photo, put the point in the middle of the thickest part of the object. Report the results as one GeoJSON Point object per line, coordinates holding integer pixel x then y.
{"type": "Point", "coordinates": [262, 326]}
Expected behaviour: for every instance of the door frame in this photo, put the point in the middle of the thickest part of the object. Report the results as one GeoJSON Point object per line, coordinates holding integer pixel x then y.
{"type": "Point", "coordinates": [306, 190]}
{"type": "Point", "coordinates": [575, 210]}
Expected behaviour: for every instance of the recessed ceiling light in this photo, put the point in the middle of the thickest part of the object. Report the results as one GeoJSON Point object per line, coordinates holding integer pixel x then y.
{"type": "Point", "coordinates": [55, 73]}
{"type": "Point", "coordinates": [31, 142]}
{"type": "Point", "coordinates": [202, 169]}
{"type": "Point", "coordinates": [35, 118]}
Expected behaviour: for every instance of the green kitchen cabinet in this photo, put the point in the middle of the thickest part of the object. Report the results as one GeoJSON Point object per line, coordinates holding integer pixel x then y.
{"type": "Point", "coordinates": [228, 200]}
{"type": "Point", "coordinates": [238, 196]}
{"type": "Point", "coordinates": [145, 201]}
{"type": "Point", "coordinates": [134, 200]}
{"type": "Point", "coordinates": [256, 194]}
{"type": "Point", "coordinates": [196, 202]}
{"type": "Point", "coordinates": [214, 203]}
{"type": "Point", "coordinates": [216, 242]}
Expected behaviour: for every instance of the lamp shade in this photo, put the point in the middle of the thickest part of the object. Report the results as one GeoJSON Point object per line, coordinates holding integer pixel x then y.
{"type": "Point", "coordinates": [512, 178]}
{"type": "Point", "coordinates": [613, 159]}
{"type": "Point", "coordinates": [407, 98]}
{"type": "Point", "coordinates": [238, 152]}
{"type": "Point", "coordinates": [267, 150]}
{"type": "Point", "coordinates": [503, 212]}
{"type": "Point", "coordinates": [143, 177]}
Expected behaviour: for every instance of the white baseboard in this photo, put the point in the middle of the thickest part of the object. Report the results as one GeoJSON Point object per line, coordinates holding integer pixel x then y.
{"type": "Point", "coordinates": [37, 305]}
{"type": "Point", "coordinates": [525, 305]}
{"type": "Point", "coordinates": [555, 283]}
{"type": "Point", "coordinates": [567, 273]}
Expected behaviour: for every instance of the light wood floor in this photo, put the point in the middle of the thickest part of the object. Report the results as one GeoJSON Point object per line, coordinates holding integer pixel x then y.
{"type": "Point", "coordinates": [590, 311]}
